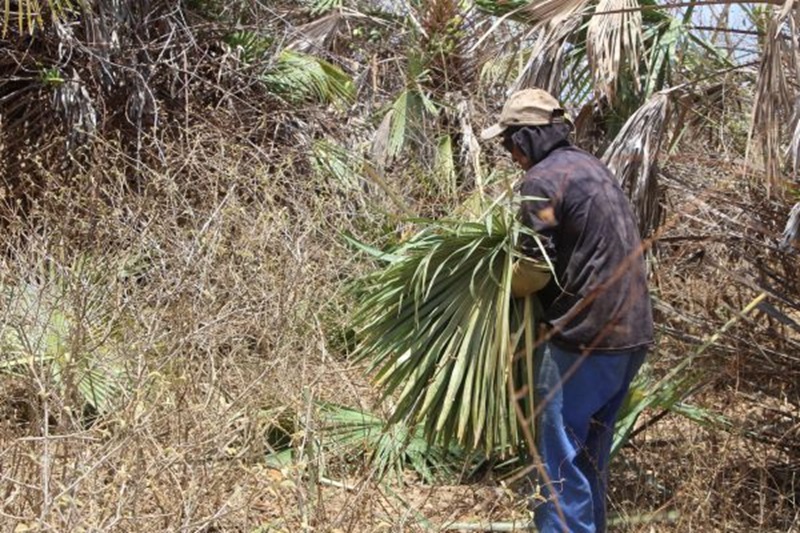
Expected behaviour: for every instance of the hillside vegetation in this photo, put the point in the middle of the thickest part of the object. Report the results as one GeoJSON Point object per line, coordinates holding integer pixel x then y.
{"type": "Point", "coordinates": [189, 192]}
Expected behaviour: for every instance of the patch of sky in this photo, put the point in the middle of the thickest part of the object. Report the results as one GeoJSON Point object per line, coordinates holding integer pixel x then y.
{"type": "Point", "coordinates": [733, 28]}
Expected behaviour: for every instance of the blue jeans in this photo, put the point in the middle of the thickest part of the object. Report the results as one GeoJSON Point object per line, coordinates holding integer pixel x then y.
{"type": "Point", "coordinates": [579, 397]}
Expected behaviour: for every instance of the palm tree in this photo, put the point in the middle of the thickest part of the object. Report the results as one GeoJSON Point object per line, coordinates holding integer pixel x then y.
{"type": "Point", "coordinates": [609, 59]}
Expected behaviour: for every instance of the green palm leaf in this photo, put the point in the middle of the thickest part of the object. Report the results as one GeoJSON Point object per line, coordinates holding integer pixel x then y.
{"type": "Point", "coordinates": [300, 77]}
{"type": "Point", "coordinates": [349, 431]}
{"type": "Point", "coordinates": [337, 162]}
{"type": "Point", "coordinates": [444, 337]}
{"type": "Point", "coordinates": [58, 326]}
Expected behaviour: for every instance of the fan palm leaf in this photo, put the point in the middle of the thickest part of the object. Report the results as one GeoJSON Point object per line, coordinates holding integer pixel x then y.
{"type": "Point", "coordinates": [548, 56]}
{"type": "Point", "coordinates": [300, 76]}
{"type": "Point", "coordinates": [613, 40]}
{"type": "Point", "coordinates": [532, 12]}
{"type": "Point", "coordinates": [773, 103]}
{"type": "Point", "coordinates": [337, 162]}
{"type": "Point", "coordinates": [45, 333]}
{"type": "Point", "coordinates": [316, 34]}
{"type": "Point", "coordinates": [349, 431]}
{"type": "Point", "coordinates": [443, 336]}
{"type": "Point", "coordinates": [404, 124]}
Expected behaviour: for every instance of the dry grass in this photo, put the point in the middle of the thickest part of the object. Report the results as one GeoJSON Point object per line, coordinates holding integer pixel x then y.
{"type": "Point", "coordinates": [236, 270]}
{"type": "Point", "coordinates": [223, 264]}
{"type": "Point", "coordinates": [230, 329]}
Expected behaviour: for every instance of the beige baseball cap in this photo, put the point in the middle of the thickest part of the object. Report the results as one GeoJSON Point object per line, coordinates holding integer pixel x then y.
{"type": "Point", "coordinates": [528, 107]}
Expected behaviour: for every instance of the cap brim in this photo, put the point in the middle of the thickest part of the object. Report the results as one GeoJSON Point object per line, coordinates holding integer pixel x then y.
{"type": "Point", "coordinates": [492, 132]}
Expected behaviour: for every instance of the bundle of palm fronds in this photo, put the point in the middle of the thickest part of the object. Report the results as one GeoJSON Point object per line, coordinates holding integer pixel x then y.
{"type": "Point", "coordinates": [444, 336]}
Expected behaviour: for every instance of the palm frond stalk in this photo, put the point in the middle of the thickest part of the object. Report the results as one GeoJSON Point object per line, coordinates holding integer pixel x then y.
{"type": "Point", "coordinates": [444, 337]}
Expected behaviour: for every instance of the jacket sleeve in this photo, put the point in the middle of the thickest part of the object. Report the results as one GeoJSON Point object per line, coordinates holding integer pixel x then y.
{"type": "Point", "coordinates": [539, 212]}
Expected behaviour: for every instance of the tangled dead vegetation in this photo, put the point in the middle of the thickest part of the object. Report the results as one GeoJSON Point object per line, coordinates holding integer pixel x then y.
{"type": "Point", "coordinates": [174, 199]}
{"type": "Point", "coordinates": [718, 250]}
{"type": "Point", "coordinates": [227, 274]}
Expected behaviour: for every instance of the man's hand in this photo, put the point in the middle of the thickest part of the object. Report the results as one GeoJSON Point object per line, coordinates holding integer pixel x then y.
{"type": "Point", "coordinates": [528, 277]}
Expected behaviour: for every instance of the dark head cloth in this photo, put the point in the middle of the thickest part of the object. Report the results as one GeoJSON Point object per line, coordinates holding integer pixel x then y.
{"type": "Point", "coordinates": [536, 142]}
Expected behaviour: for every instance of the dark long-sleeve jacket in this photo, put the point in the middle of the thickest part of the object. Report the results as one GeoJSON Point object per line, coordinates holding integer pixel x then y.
{"type": "Point", "coordinates": [600, 300]}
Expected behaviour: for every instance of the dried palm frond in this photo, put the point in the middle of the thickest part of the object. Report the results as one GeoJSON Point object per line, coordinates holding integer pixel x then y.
{"type": "Point", "coordinates": [633, 156]}
{"type": "Point", "coordinates": [794, 145]}
{"type": "Point", "coordinates": [554, 11]}
{"type": "Point", "coordinates": [546, 64]}
{"type": "Point", "coordinates": [539, 12]}
{"type": "Point", "coordinates": [791, 233]}
{"type": "Point", "coordinates": [773, 102]}
{"type": "Point", "coordinates": [314, 36]}
{"type": "Point", "coordinates": [76, 107]}
{"type": "Point", "coordinates": [443, 335]}
{"type": "Point", "coordinates": [591, 126]}
{"type": "Point", "coordinates": [613, 40]}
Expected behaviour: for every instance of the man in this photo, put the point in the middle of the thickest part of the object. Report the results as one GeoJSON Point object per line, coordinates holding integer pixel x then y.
{"type": "Point", "coordinates": [597, 309]}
